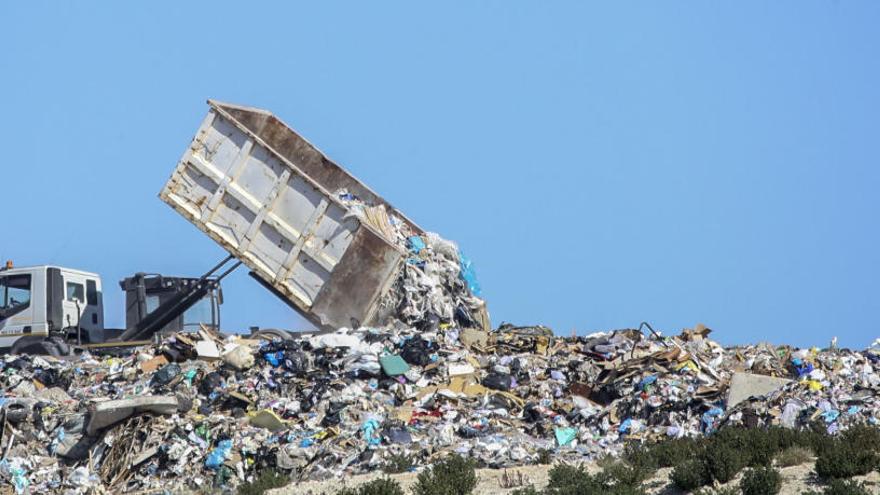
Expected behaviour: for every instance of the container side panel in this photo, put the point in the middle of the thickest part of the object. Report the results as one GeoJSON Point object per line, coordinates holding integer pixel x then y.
{"type": "Point", "coordinates": [231, 220]}
{"type": "Point", "coordinates": [195, 187]}
{"type": "Point", "coordinates": [307, 277]}
{"type": "Point", "coordinates": [296, 149]}
{"type": "Point", "coordinates": [333, 234]}
{"type": "Point", "coordinates": [260, 174]}
{"type": "Point", "coordinates": [297, 202]}
{"type": "Point", "coordinates": [220, 145]}
{"type": "Point", "coordinates": [271, 247]}
{"type": "Point", "coordinates": [351, 295]}
{"type": "Point", "coordinates": [266, 195]}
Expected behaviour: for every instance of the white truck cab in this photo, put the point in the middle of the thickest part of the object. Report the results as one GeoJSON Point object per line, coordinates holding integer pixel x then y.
{"type": "Point", "coordinates": [39, 300]}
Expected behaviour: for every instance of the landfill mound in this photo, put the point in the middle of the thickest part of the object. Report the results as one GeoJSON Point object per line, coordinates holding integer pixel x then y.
{"type": "Point", "coordinates": [204, 410]}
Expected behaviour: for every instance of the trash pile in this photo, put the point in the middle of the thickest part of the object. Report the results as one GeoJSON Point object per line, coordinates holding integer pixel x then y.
{"type": "Point", "coordinates": [438, 282]}
{"type": "Point", "coordinates": [206, 411]}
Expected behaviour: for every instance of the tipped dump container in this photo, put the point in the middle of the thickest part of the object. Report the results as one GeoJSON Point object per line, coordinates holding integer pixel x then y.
{"type": "Point", "coordinates": [269, 197]}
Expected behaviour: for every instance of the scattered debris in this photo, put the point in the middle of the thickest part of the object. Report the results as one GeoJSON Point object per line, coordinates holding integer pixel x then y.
{"type": "Point", "coordinates": [315, 407]}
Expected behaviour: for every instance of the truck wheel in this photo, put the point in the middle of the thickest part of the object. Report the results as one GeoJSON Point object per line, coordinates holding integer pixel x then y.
{"type": "Point", "coordinates": [63, 347]}
{"type": "Point", "coordinates": [35, 345]}
{"type": "Point", "coordinates": [272, 334]}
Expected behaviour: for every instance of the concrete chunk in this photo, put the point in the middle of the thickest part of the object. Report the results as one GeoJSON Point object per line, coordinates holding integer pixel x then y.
{"type": "Point", "coordinates": [107, 413]}
{"type": "Point", "coordinates": [745, 385]}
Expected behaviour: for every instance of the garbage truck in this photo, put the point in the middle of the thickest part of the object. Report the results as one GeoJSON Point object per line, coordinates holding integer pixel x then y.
{"type": "Point", "coordinates": [276, 204]}
{"type": "Point", "coordinates": [46, 309]}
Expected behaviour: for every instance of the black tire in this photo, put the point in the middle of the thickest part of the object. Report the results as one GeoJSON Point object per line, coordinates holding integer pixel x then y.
{"type": "Point", "coordinates": [36, 345]}
{"type": "Point", "coordinates": [272, 334]}
{"type": "Point", "coordinates": [62, 346]}
{"type": "Point", "coordinates": [17, 411]}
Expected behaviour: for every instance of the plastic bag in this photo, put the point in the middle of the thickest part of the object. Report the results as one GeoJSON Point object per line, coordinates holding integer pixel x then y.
{"type": "Point", "coordinates": [469, 275]}
{"type": "Point", "coordinates": [218, 455]}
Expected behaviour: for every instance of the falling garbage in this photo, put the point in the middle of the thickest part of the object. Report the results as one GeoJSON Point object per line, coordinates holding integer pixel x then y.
{"type": "Point", "coordinates": [314, 234]}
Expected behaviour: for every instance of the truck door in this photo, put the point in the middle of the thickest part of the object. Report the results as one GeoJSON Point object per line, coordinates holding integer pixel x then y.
{"type": "Point", "coordinates": [93, 317]}
{"type": "Point", "coordinates": [16, 308]}
{"type": "Point", "coordinates": [74, 301]}
{"type": "Point", "coordinates": [82, 308]}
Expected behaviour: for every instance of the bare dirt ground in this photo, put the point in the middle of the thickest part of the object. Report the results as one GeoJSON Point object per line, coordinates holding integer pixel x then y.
{"type": "Point", "coordinates": [797, 480]}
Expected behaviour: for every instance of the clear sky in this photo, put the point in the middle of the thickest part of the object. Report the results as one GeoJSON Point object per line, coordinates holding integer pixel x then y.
{"type": "Point", "coordinates": [601, 163]}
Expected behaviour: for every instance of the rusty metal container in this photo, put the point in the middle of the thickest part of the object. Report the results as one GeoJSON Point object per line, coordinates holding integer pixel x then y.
{"type": "Point", "coordinates": [268, 197]}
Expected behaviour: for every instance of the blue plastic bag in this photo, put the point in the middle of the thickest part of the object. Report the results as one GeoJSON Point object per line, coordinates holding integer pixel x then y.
{"type": "Point", "coordinates": [371, 432]}
{"type": "Point", "coordinates": [469, 274]}
{"type": "Point", "coordinates": [647, 382]}
{"type": "Point", "coordinates": [219, 454]}
{"type": "Point", "coordinates": [17, 474]}
{"type": "Point", "coordinates": [711, 419]}
{"type": "Point", "coordinates": [415, 244]}
{"type": "Point", "coordinates": [564, 436]}
{"type": "Point", "coordinates": [274, 358]}
{"type": "Point", "coordinates": [830, 415]}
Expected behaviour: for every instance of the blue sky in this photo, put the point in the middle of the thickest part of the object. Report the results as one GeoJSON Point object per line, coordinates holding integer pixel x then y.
{"type": "Point", "coordinates": [601, 163]}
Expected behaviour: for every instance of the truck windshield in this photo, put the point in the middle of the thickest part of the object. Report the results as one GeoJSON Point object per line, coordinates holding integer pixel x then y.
{"type": "Point", "coordinates": [200, 314]}
{"type": "Point", "coordinates": [15, 294]}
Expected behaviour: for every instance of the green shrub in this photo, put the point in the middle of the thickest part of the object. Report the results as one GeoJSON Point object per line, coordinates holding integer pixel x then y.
{"type": "Point", "coordinates": [784, 438]}
{"type": "Point", "coordinates": [724, 461]}
{"type": "Point", "coordinates": [398, 463]}
{"type": "Point", "coordinates": [453, 475]}
{"type": "Point", "coordinates": [567, 479]}
{"type": "Point", "coordinates": [668, 453]}
{"type": "Point", "coordinates": [862, 437]}
{"type": "Point", "coordinates": [690, 475]}
{"type": "Point", "coordinates": [820, 439]}
{"type": "Point", "coordinates": [760, 449]}
{"type": "Point", "coordinates": [794, 456]}
{"type": "Point", "coordinates": [606, 460]}
{"type": "Point", "coordinates": [530, 490]}
{"type": "Point", "coordinates": [264, 481]}
{"type": "Point", "coordinates": [624, 474]}
{"type": "Point", "coordinates": [843, 487]}
{"type": "Point", "coordinates": [761, 481]}
{"type": "Point", "coordinates": [575, 480]}
{"type": "Point", "coordinates": [618, 490]}
{"type": "Point", "coordinates": [644, 457]}
{"type": "Point", "coordinates": [381, 486]}
{"type": "Point", "coordinates": [841, 459]}
{"type": "Point", "coordinates": [752, 446]}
